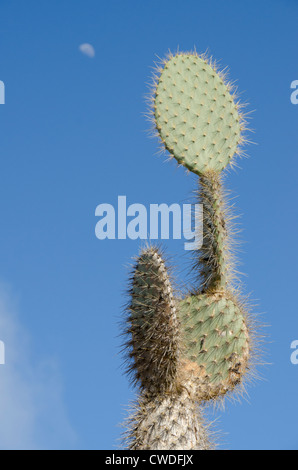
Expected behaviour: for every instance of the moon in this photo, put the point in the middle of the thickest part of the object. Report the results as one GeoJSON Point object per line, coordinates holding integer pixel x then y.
{"type": "Point", "coordinates": [87, 49]}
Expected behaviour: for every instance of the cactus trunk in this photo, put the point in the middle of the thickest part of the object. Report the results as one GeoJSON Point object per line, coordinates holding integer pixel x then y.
{"type": "Point", "coordinates": [168, 422]}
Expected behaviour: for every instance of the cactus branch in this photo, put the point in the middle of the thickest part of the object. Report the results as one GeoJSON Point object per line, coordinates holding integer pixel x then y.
{"type": "Point", "coordinates": [152, 324]}
{"type": "Point", "coordinates": [214, 262]}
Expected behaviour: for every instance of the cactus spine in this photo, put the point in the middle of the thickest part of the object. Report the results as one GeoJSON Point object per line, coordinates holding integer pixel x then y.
{"type": "Point", "coordinates": [184, 352]}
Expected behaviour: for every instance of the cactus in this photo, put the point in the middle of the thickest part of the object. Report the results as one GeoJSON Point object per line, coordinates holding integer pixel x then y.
{"type": "Point", "coordinates": [184, 352]}
{"type": "Point", "coordinates": [152, 325]}
{"type": "Point", "coordinates": [168, 422]}
{"type": "Point", "coordinates": [195, 113]}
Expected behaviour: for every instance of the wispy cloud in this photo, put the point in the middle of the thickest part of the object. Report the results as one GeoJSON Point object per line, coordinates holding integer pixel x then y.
{"type": "Point", "coordinates": [32, 410]}
{"type": "Point", "coordinates": [87, 49]}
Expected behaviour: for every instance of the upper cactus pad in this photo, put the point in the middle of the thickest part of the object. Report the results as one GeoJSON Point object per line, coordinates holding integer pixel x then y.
{"type": "Point", "coordinates": [195, 114]}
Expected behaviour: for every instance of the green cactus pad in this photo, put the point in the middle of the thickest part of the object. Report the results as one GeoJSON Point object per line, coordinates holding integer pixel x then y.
{"type": "Point", "coordinates": [216, 344]}
{"type": "Point", "coordinates": [195, 114]}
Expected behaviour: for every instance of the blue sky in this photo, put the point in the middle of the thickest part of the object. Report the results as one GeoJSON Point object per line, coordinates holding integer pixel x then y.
{"type": "Point", "coordinates": [73, 135]}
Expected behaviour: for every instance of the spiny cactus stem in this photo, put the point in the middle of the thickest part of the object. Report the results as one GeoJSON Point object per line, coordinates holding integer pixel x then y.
{"type": "Point", "coordinates": [168, 422]}
{"type": "Point", "coordinates": [152, 324]}
{"type": "Point", "coordinates": [213, 259]}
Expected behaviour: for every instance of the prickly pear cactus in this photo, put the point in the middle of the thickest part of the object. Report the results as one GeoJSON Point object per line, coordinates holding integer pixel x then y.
{"type": "Point", "coordinates": [216, 343]}
{"type": "Point", "coordinates": [168, 422]}
{"type": "Point", "coordinates": [195, 113]}
{"type": "Point", "coordinates": [183, 352]}
{"type": "Point", "coordinates": [152, 325]}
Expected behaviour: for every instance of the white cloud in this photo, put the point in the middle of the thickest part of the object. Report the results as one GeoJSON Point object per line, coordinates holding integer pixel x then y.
{"type": "Point", "coordinates": [32, 411]}
{"type": "Point", "coordinates": [87, 49]}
